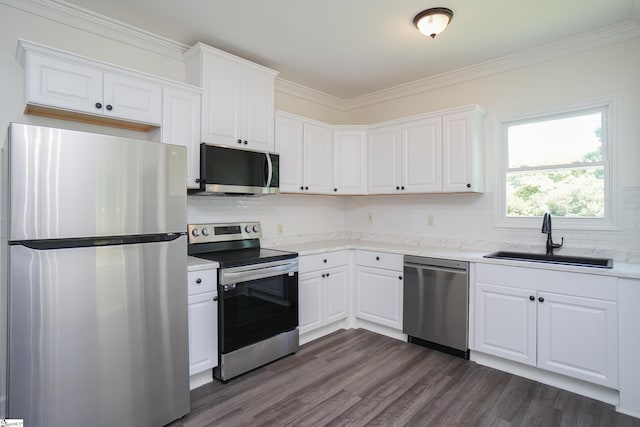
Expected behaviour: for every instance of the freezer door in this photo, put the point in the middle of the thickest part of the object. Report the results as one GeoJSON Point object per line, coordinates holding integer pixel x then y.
{"type": "Point", "coordinates": [98, 335]}
{"type": "Point", "coordinates": [67, 184]}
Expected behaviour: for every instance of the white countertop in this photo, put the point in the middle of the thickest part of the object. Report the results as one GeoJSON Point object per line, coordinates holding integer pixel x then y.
{"type": "Point", "coordinates": [196, 264]}
{"type": "Point", "coordinates": [619, 269]}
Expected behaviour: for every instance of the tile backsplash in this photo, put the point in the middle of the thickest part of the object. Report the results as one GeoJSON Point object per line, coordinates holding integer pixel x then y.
{"type": "Point", "coordinates": [462, 221]}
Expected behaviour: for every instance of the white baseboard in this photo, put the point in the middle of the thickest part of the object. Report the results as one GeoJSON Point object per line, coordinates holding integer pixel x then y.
{"type": "Point", "coordinates": [200, 379]}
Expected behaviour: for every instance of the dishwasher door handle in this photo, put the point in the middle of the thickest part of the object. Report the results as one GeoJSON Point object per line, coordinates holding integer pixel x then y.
{"type": "Point", "coordinates": [434, 268]}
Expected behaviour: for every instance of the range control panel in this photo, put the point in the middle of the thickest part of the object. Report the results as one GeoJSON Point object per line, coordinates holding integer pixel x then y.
{"type": "Point", "coordinates": [207, 233]}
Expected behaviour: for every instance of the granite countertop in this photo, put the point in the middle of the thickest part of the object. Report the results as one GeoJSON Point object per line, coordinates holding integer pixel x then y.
{"type": "Point", "coordinates": [619, 269]}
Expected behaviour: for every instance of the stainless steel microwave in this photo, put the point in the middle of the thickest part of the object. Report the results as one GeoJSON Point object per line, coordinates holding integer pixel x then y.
{"type": "Point", "coordinates": [240, 172]}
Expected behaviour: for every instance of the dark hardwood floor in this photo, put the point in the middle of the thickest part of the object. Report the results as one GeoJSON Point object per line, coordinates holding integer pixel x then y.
{"type": "Point", "coordinates": [359, 378]}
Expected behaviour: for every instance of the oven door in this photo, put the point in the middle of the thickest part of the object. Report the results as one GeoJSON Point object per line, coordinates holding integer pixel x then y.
{"type": "Point", "coordinates": [257, 302]}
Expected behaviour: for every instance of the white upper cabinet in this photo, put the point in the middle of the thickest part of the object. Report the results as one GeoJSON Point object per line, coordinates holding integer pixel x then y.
{"type": "Point", "coordinates": [385, 159]}
{"type": "Point", "coordinates": [462, 156]}
{"type": "Point", "coordinates": [350, 161]}
{"type": "Point", "coordinates": [306, 155]}
{"type": "Point", "coordinates": [237, 98]}
{"type": "Point", "coordinates": [421, 154]}
{"type": "Point", "coordinates": [440, 152]}
{"type": "Point", "coordinates": [59, 84]}
{"type": "Point", "coordinates": [181, 126]}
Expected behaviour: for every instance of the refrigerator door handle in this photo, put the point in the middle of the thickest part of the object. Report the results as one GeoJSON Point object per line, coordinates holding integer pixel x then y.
{"type": "Point", "coordinates": [85, 242]}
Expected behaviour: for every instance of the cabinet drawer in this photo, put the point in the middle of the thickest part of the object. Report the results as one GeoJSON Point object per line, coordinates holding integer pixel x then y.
{"type": "Point", "coordinates": [201, 281]}
{"type": "Point", "coordinates": [380, 260]}
{"type": "Point", "coordinates": [321, 261]}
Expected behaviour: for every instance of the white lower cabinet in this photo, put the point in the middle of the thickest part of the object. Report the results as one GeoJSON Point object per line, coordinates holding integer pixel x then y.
{"type": "Point", "coordinates": [322, 290]}
{"type": "Point", "coordinates": [378, 288]}
{"type": "Point", "coordinates": [562, 322]}
{"type": "Point", "coordinates": [203, 320]}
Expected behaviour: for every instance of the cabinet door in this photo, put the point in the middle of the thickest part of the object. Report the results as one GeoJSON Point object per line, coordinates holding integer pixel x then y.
{"type": "Point", "coordinates": [578, 337]}
{"type": "Point", "coordinates": [131, 98]}
{"type": "Point", "coordinates": [289, 137]}
{"type": "Point", "coordinates": [350, 162]}
{"type": "Point", "coordinates": [203, 332]}
{"type": "Point", "coordinates": [422, 156]}
{"type": "Point", "coordinates": [335, 294]}
{"type": "Point", "coordinates": [318, 159]}
{"type": "Point", "coordinates": [221, 87]}
{"type": "Point", "coordinates": [379, 296]}
{"type": "Point", "coordinates": [505, 322]}
{"type": "Point", "coordinates": [257, 126]}
{"type": "Point", "coordinates": [384, 160]}
{"type": "Point", "coordinates": [458, 151]}
{"type": "Point", "coordinates": [181, 126]}
{"type": "Point", "coordinates": [56, 83]}
{"type": "Point", "coordinates": [310, 307]}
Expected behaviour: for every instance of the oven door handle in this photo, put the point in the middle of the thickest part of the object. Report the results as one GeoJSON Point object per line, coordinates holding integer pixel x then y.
{"type": "Point", "coordinates": [247, 274]}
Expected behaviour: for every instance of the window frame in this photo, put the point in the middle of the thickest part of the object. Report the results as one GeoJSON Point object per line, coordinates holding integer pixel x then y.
{"type": "Point", "coordinates": [608, 222]}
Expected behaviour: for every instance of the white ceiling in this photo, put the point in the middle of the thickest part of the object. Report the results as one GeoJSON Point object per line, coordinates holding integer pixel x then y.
{"type": "Point", "coordinates": [349, 48]}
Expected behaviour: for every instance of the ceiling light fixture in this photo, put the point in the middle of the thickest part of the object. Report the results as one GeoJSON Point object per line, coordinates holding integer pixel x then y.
{"type": "Point", "coordinates": [432, 22]}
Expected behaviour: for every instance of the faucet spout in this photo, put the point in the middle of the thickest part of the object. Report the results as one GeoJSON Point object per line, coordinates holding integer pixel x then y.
{"type": "Point", "coordinates": [546, 228]}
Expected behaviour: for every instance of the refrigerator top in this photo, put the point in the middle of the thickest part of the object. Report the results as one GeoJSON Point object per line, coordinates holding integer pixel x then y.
{"type": "Point", "coordinates": [67, 184]}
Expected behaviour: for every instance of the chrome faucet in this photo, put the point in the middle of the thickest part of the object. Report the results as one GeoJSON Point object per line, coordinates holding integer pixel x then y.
{"type": "Point", "coordinates": [546, 228]}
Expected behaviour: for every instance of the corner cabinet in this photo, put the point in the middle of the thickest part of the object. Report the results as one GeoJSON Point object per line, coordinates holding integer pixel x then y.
{"type": "Point", "coordinates": [67, 86]}
{"type": "Point", "coordinates": [378, 288]}
{"type": "Point", "coordinates": [558, 321]}
{"type": "Point", "coordinates": [438, 152]}
{"type": "Point", "coordinates": [350, 160]}
{"type": "Point", "coordinates": [237, 98]}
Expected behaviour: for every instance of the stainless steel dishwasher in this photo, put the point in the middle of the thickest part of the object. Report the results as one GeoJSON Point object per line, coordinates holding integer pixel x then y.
{"type": "Point", "coordinates": [436, 304]}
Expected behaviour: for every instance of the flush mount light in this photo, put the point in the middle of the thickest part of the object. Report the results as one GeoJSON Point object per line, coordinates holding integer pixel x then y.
{"type": "Point", "coordinates": [432, 22]}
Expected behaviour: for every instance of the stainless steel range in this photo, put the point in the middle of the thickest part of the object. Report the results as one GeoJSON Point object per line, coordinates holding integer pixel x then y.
{"type": "Point", "coordinates": [257, 296]}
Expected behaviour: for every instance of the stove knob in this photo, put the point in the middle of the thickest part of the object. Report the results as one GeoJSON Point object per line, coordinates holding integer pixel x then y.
{"type": "Point", "coordinates": [205, 231]}
{"type": "Point", "coordinates": [256, 228]}
{"type": "Point", "coordinates": [247, 229]}
{"type": "Point", "coordinates": [195, 232]}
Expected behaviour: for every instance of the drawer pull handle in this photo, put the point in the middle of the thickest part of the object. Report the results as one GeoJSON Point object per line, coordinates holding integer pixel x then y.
{"type": "Point", "coordinates": [198, 280]}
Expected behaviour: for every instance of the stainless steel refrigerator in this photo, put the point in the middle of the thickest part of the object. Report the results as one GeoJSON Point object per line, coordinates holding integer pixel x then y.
{"type": "Point", "coordinates": [97, 297]}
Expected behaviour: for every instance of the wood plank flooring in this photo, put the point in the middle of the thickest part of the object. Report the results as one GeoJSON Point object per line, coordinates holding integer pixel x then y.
{"type": "Point", "coordinates": [358, 378]}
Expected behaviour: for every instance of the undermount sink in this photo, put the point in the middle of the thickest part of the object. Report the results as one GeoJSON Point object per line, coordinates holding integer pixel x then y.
{"type": "Point", "coordinates": [554, 259]}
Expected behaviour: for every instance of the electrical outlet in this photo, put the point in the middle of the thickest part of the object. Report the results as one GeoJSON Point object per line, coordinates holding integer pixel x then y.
{"type": "Point", "coordinates": [429, 219]}
{"type": "Point", "coordinates": [280, 229]}
{"type": "Point", "coordinates": [370, 217]}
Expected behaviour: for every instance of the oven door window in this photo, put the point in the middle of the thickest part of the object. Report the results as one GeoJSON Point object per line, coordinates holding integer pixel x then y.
{"type": "Point", "coordinates": [256, 310]}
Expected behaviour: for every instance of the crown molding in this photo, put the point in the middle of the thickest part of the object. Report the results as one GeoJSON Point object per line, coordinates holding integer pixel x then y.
{"type": "Point", "coordinates": [602, 37]}
{"type": "Point", "coordinates": [75, 16]}
{"type": "Point", "coordinates": [308, 94]}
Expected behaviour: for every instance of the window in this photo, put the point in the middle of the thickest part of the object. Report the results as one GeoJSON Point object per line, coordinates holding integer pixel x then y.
{"type": "Point", "coordinates": [558, 164]}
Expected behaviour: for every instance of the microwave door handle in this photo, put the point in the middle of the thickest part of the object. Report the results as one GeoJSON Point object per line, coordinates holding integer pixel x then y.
{"type": "Point", "coordinates": [269, 170]}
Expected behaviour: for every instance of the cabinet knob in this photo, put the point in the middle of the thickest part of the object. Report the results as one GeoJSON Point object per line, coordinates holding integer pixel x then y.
{"type": "Point", "coordinates": [335, 189]}
{"type": "Point", "coordinates": [397, 188]}
{"type": "Point", "coordinates": [468, 185]}
{"type": "Point", "coordinates": [98, 105]}
{"type": "Point", "coordinates": [532, 298]}
{"type": "Point", "coordinates": [306, 188]}
{"type": "Point", "coordinates": [324, 275]}
{"type": "Point", "coordinates": [301, 187]}
{"type": "Point", "coordinates": [541, 299]}
{"type": "Point", "coordinates": [327, 274]}
{"type": "Point", "coordinates": [402, 188]}
{"type": "Point", "coordinates": [239, 141]}
{"type": "Point", "coordinates": [198, 280]}
{"type": "Point", "coordinates": [400, 277]}
{"type": "Point", "coordinates": [324, 260]}
{"type": "Point", "coordinates": [246, 142]}
{"type": "Point", "coordinates": [109, 107]}
{"type": "Point", "coordinates": [377, 258]}
{"type": "Point", "coordinates": [215, 298]}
